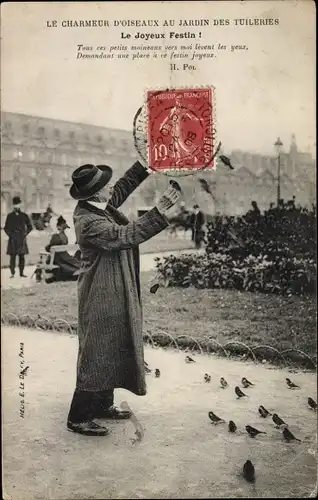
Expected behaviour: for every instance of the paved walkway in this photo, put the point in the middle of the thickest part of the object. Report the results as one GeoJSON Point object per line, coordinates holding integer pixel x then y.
{"type": "Point", "coordinates": [147, 263]}
{"type": "Point", "coordinates": [181, 454]}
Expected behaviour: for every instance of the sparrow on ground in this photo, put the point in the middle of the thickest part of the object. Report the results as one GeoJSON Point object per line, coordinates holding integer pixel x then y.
{"type": "Point", "coordinates": [249, 471]}
{"type": "Point", "coordinates": [263, 412]}
{"type": "Point", "coordinates": [246, 383]}
{"type": "Point", "coordinates": [289, 436]}
{"type": "Point", "coordinates": [278, 421]}
{"type": "Point", "coordinates": [139, 431]}
{"type": "Point", "coordinates": [252, 431]}
{"type": "Point", "coordinates": [147, 369]}
{"type": "Point", "coordinates": [223, 382]}
{"type": "Point", "coordinates": [157, 373]}
{"type": "Point", "coordinates": [232, 426]}
{"type": "Point", "coordinates": [207, 377]}
{"type": "Point", "coordinates": [226, 161]}
{"type": "Point", "coordinates": [312, 404]}
{"type": "Point", "coordinates": [154, 288]}
{"type": "Point", "coordinates": [189, 360]}
{"type": "Point", "coordinates": [291, 384]}
{"type": "Point", "coordinates": [239, 393]}
{"type": "Point", "coordinates": [214, 418]}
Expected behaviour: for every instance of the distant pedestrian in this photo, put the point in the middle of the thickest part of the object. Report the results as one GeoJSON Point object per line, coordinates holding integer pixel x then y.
{"type": "Point", "coordinates": [196, 222]}
{"type": "Point", "coordinates": [47, 216]}
{"type": "Point", "coordinates": [17, 227]}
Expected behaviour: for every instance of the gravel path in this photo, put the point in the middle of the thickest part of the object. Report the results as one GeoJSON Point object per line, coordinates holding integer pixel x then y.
{"type": "Point", "coordinates": [181, 455]}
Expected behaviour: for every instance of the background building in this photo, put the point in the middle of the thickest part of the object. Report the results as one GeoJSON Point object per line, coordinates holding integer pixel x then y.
{"type": "Point", "coordinates": [39, 154]}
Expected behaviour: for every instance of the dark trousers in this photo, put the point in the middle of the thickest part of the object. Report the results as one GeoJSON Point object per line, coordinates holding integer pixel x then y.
{"type": "Point", "coordinates": [13, 259]}
{"type": "Point", "coordinates": [86, 405]}
{"type": "Point", "coordinates": [197, 237]}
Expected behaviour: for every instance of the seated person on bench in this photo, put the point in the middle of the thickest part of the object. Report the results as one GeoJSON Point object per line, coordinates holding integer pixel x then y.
{"type": "Point", "coordinates": [68, 264]}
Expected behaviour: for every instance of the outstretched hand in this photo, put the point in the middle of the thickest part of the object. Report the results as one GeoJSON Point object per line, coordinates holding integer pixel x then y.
{"type": "Point", "coordinates": [168, 199]}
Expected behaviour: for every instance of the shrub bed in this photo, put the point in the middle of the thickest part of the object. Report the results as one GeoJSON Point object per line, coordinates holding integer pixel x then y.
{"type": "Point", "coordinates": [285, 276]}
{"type": "Point", "coordinates": [272, 253]}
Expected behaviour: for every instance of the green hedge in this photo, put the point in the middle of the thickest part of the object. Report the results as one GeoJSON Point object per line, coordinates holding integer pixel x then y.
{"type": "Point", "coordinates": [288, 276]}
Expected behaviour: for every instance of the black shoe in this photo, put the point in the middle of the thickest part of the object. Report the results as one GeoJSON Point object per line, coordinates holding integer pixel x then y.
{"type": "Point", "coordinates": [113, 413]}
{"type": "Point", "coordinates": [12, 276]}
{"type": "Point", "coordinates": [23, 276]}
{"type": "Point", "coordinates": [87, 428]}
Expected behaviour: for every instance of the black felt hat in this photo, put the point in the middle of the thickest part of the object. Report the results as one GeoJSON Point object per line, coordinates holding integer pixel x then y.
{"type": "Point", "coordinates": [16, 200]}
{"type": "Point", "coordinates": [88, 180]}
{"type": "Point", "coordinates": [62, 222]}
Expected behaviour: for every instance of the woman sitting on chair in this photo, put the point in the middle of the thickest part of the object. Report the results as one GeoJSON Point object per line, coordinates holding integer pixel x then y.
{"type": "Point", "coordinates": [68, 264]}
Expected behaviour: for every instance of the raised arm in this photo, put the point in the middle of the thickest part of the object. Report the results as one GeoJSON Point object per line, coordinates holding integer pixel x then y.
{"type": "Point", "coordinates": [128, 183]}
{"type": "Point", "coordinates": [100, 233]}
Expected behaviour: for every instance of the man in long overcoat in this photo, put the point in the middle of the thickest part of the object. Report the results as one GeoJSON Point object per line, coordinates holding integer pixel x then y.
{"type": "Point", "coordinates": [17, 227]}
{"type": "Point", "coordinates": [109, 305]}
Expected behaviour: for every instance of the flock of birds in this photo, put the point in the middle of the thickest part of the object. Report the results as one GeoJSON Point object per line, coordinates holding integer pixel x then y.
{"type": "Point", "coordinates": [248, 472]}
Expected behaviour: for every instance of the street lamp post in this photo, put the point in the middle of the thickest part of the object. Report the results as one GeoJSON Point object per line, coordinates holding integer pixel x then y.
{"type": "Point", "coordinates": [278, 147]}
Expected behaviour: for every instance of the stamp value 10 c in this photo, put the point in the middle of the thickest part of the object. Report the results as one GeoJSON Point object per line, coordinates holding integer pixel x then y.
{"type": "Point", "coordinates": [180, 129]}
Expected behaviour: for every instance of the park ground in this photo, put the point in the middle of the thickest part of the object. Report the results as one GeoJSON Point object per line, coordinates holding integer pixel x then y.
{"type": "Point", "coordinates": [225, 315]}
{"type": "Point", "coordinates": [180, 455]}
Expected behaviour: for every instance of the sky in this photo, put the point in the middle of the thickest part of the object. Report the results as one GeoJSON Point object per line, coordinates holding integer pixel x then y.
{"type": "Point", "coordinates": [261, 93]}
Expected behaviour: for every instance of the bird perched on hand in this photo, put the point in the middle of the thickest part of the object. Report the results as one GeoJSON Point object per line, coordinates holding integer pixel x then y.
{"type": "Point", "coordinates": [223, 382]}
{"type": "Point", "coordinates": [278, 421]}
{"type": "Point", "coordinates": [249, 471]}
{"type": "Point", "coordinates": [246, 383]}
{"type": "Point", "coordinates": [291, 384]}
{"type": "Point", "coordinates": [214, 418]}
{"type": "Point", "coordinates": [239, 393]}
{"type": "Point", "coordinates": [263, 412]}
{"type": "Point", "coordinates": [175, 185]}
{"type": "Point", "coordinates": [252, 431]}
{"type": "Point", "coordinates": [226, 161]}
{"type": "Point", "coordinates": [207, 377]}
{"type": "Point", "coordinates": [312, 404]}
{"type": "Point", "coordinates": [157, 373]}
{"type": "Point", "coordinates": [289, 436]}
{"type": "Point", "coordinates": [189, 360]}
{"type": "Point", "coordinates": [232, 426]}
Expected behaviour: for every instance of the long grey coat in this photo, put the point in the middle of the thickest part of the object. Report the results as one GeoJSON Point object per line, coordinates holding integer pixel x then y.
{"type": "Point", "coordinates": [109, 307]}
{"type": "Point", "coordinates": [17, 227]}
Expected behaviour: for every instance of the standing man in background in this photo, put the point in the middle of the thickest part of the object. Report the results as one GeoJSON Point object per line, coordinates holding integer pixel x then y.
{"type": "Point", "coordinates": [197, 222]}
{"type": "Point", "coordinates": [17, 227]}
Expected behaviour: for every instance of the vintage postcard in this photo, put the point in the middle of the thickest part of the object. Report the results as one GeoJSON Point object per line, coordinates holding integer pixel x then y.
{"type": "Point", "coordinates": [158, 249]}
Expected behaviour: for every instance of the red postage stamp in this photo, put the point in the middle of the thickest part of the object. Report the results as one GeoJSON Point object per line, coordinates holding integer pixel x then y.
{"type": "Point", "coordinates": [180, 129]}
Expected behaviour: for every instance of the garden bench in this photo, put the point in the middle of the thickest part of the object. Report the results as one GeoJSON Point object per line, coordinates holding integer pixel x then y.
{"type": "Point", "coordinates": [46, 259]}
